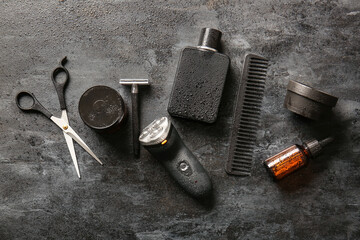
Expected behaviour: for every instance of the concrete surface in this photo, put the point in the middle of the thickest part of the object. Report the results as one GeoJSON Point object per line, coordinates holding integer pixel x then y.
{"type": "Point", "coordinates": [316, 42]}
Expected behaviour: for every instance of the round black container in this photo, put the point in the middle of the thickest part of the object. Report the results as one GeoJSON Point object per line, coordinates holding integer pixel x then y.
{"type": "Point", "coordinates": [102, 109]}
{"type": "Point", "coordinates": [308, 102]}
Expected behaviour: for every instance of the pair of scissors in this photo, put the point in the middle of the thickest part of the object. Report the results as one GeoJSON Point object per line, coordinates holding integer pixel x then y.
{"type": "Point", "coordinates": [63, 121]}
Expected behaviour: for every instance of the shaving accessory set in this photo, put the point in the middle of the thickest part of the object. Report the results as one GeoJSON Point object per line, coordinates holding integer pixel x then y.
{"type": "Point", "coordinates": [196, 94]}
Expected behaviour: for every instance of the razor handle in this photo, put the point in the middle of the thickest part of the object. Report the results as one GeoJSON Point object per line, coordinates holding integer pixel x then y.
{"type": "Point", "coordinates": [135, 123]}
{"type": "Point", "coordinates": [181, 164]}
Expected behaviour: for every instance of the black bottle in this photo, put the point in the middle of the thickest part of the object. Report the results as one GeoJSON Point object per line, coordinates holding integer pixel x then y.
{"type": "Point", "coordinates": [199, 80]}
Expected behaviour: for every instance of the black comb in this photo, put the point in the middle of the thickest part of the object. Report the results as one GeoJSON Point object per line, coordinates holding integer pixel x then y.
{"type": "Point", "coordinates": [247, 114]}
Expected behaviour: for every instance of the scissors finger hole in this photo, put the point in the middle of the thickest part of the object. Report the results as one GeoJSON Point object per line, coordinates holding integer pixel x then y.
{"type": "Point", "coordinates": [25, 100]}
{"type": "Point", "coordinates": [60, 76]}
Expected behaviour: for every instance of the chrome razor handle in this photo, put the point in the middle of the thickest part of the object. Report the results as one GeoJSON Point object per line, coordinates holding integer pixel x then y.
{"type": "Point", "coordinates": [162, 140]}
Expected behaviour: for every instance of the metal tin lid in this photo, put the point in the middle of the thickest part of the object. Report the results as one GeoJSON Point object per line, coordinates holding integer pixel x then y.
{"type": "Point", "coordinates": [102, 108]}
{"type": "Point", "coordinates": [308, 102]}
{"type": "Point", "coordinates": [312, 93]}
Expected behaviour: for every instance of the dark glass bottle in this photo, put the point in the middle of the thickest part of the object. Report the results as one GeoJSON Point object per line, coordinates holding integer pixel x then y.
{"type": "Point", "coordinates": [294, 157]}
{"type": "Point", "coordinates": [200, 79]}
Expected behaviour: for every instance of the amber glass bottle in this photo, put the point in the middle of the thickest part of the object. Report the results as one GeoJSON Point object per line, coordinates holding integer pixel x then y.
{"type": "Point", "coordinates": [294, 157]}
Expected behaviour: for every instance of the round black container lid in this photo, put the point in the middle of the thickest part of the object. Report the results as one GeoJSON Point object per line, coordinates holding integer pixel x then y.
{"type": "Point", "coordinates": [102, 108]}
{"type": "Point", "coordinates": [312, 93]}
{"type": "Point", "coordinates": [308, 102]}
{"type": "Point", "coordinates": [209, 38]}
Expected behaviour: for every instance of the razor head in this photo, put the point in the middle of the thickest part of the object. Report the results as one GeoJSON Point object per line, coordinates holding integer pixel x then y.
{"type": "Point", "coordinates": [156, 132]}
{"type": "Point", "coordinates": [134, 81]}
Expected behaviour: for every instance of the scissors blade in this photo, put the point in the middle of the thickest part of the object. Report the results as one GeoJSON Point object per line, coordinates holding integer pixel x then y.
{"type": "Point", "coordinates": [76, 137]}
{"type": "Point", "coordinates": [69, 131]}
{"type": "Point", "coordinates": [70, 143]}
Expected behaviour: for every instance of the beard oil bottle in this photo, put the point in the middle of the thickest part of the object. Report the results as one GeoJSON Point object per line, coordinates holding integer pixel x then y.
{"type": "Point", "coordinates": [294, 157]}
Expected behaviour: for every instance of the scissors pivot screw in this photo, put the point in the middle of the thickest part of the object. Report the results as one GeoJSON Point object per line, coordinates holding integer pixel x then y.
{"type": "Point", "coordinates": [65, 127]}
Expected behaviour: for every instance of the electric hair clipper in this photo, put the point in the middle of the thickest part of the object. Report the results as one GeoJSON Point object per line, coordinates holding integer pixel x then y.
{"type": "Point", "coordinates": [162, 140]}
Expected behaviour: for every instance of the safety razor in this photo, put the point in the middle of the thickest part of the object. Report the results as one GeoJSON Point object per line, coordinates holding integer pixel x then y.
{"type": "Point", "coordinates": [135, 110]}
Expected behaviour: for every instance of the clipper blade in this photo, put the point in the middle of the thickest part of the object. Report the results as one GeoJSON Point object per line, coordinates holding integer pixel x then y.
{"type": "Point", "coordinates": [247, 115]}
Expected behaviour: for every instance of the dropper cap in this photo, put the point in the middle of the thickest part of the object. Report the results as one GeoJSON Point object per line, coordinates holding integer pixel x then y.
{"type": "Point", "coordinates": [209, 38]}
{"type": "Point", "coordinates": [315, 146]}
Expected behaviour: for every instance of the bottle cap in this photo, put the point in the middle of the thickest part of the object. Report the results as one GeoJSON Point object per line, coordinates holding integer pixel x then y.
{"type": "Point", "coordinates": [315, 147]}
{"type": "Point", "coordinates": [209, 38]}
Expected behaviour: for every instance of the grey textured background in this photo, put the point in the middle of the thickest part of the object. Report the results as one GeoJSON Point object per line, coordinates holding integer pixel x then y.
{"type": "Point", "coordinates": [316, 42]}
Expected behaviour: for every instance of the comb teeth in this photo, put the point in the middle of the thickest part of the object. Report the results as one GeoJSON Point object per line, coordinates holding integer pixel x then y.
{"type": "Point", "coordinates": [247, 115]}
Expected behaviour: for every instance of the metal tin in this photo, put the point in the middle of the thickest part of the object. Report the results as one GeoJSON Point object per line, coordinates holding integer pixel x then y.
{"type": "Point", "coordinates": [102, 109]}
{"type": "Point", "coordinates": [308, 102]}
